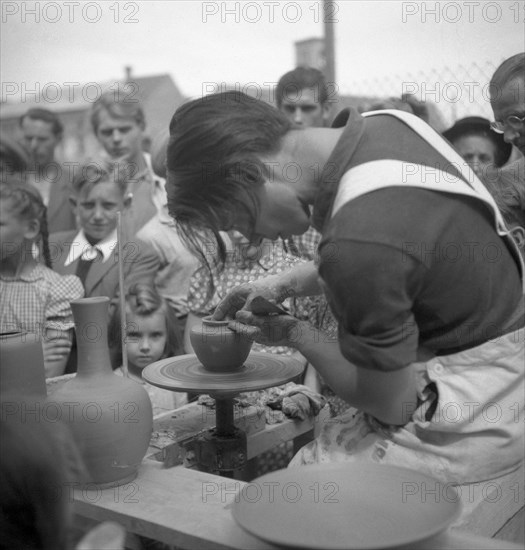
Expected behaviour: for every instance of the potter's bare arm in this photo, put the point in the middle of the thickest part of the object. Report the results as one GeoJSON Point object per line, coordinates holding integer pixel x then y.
{"type": "Point", "coordinates": [388, 396]}
{"type": "Point", "coordinates": [301, 280]}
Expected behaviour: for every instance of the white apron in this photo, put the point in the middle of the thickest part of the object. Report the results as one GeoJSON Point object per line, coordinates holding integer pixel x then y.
{"type": "Point", "coordinates": [476, 432]}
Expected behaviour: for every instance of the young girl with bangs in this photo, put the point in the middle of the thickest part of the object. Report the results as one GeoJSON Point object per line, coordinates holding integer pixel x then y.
{"type": "Point", "coordinates": [151, 334]}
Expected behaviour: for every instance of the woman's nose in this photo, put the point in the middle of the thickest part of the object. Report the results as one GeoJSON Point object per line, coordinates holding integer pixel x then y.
{"type": "Point", "coordinates": [478, 169]}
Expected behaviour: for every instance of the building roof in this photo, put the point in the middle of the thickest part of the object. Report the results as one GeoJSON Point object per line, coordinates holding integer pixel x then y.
{"type": "Point", "coordinates": [82, 97]}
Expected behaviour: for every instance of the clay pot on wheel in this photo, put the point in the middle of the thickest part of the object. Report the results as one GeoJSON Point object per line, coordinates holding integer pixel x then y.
{"type": "Point", "coordinates": [219, 348]}
{"type": "Point", "coordinates": [110, 416]}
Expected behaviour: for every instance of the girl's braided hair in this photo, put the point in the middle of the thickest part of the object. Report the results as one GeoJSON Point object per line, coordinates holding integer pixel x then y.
{"type": "Point", "coordinates": [26, 202]}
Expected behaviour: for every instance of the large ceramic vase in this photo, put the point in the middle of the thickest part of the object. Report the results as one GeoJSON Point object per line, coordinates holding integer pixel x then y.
{"type": "Point", "coordinates": [219, 348]}
{"type": "Point", "coordinates": [110, 416]}
{"type": "Point", "coordinates": [22, 371]}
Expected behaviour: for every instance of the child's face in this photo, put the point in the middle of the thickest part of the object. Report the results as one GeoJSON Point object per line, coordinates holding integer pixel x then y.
{"type": "Point", "coordinates": [97, 209]}
{"type": "Point", "coordinates": [13, 230]}
{"type": "Point", "coordinates": [146, 338]}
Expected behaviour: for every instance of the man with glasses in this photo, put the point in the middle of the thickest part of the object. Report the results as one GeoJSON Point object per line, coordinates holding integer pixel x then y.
{"type": "Point", "coordinates": [512, 121]}
{"type": "Point", "coordinates": [507, 98]}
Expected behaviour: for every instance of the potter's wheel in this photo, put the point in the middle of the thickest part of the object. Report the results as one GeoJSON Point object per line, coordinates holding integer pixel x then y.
{"type": "Point", "coordinates": [185, 373]}
{"type": "Point", "coordinates": [223, 450]}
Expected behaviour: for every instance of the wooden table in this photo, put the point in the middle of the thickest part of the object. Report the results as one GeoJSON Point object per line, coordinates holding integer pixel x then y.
{"type": "Point", "coordinates": [192, 510]}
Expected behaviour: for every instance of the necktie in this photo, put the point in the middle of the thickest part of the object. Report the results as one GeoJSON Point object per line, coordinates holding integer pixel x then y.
{"type": "Point", "coordinates": [88, 258]}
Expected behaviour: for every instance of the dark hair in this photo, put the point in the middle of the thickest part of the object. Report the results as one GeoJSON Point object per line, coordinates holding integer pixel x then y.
{"type": "Point", "coordinates": [510, 68]}
{"type": "Point", "coordinates": [291, 83]}
{"type": "Point", "coordinates": [144, 300]}
{"type": "Point", "coordinates": [508, 190]}
{"type": "Point", "coordinates": [214, 165]}
{"type": "Point", "coordinates": [119, 105]}
{"type": "Point", "coordinates": [391, 103]}
{"type": "Point", "coordinates": [419, 108]}
{"type": "Point", "coordinates": [479, 126]}
{"type": "Point", "coordinates": [26, 203]}
{"type": "Point", "coordinates": [46, 116]}
{"type": "Point", "coordinates": [100, 170]}
{"type": "Point", "coordinates": [502, 150]}
{"type": "Point", "coordinates": [38, 464]}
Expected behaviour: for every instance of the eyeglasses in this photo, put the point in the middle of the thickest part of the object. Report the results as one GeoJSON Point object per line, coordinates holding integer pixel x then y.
{"type": "Point", "coordinates": [515, 122]}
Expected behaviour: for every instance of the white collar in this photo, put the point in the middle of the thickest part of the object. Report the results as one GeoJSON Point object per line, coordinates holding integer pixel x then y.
{"type": "Point", "coordinates": [80, 244]}
{"type": "Point", "coordinates": [158, 193]}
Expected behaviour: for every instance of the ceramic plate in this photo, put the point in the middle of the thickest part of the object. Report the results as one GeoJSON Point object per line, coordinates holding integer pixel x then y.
{"type": "Point", "coordinates": [345, 506]}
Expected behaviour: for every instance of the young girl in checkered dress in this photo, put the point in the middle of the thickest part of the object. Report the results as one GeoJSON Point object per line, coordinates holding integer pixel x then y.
{"type": "Point", "coordinates": [33, 298]}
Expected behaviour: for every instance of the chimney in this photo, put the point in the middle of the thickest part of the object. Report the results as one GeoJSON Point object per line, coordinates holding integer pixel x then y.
{"type": "Point", "coordinates": [128, 69]}
{"type": "Point", "coordinates": [310, 53]}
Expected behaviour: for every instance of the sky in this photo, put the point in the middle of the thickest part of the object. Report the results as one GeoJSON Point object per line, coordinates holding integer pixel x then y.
{"type": "Point", "coordinates": [203, 44]}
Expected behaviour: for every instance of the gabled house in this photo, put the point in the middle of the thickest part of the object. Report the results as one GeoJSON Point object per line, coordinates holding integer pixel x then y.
{"type": "Point", "coordinates": [158, 94]}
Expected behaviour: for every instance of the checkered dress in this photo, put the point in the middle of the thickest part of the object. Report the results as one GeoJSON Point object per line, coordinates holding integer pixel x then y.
{"type": "Point", "coordinates": [38, 301]}
{"type": "Point", "coordinates": [305, 245]}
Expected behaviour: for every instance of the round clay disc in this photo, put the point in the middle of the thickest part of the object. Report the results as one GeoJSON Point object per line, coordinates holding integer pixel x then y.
{"type": "Point", "coordinates": [346, 506]}
{"type": "Point", "coordinates": [186, 373]}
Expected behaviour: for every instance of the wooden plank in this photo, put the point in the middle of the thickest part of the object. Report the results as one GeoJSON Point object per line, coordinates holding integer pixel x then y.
{"type": "Point", "coordinates": [457, 540]}
{"type": "Point", "coordinates": [288, 430]}
{"type": "Point", "coordinates": [514, 529]}
{"type": "Point", "coordinates": [488, 505]}
{"type": "Point", "coordinates": [191, 509]}
{"type": "Point", "coordinates": [178, 506]}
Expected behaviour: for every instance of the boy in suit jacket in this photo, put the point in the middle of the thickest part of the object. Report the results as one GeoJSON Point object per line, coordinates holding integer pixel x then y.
{"type": "Point", "coordinates": [99, 193]}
